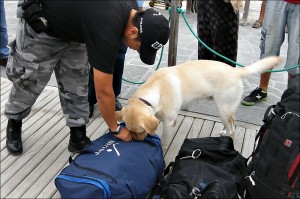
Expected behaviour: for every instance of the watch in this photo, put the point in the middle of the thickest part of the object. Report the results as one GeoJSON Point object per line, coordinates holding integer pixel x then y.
{"type": "Point", "coordinates": [117, 131]}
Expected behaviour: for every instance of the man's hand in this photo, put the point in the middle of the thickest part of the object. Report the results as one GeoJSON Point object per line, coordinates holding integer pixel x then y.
{"type": "Point", "coordinates": [125, 135]}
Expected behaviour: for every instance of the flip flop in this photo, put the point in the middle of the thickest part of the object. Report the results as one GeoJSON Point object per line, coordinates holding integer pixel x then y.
{"type": "Point", "coordinates": [257, 24]}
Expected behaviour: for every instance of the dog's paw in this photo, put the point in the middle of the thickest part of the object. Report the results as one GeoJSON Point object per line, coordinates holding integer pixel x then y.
{"type": "Point", "coordinates": [223, 133]}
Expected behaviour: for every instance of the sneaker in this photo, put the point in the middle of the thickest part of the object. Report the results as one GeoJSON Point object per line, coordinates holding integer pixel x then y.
{"type": "Point", "coordinates": [255, 96]}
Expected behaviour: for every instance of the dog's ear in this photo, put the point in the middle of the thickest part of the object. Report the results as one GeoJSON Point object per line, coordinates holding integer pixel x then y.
{"type": "Point", "coordinates": [119, 114]}
{"type": "Point", "coordinates": [151, 124]}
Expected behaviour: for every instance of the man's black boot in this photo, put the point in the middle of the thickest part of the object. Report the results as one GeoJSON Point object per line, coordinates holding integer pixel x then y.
{"type": "Point", "coordinates": [78, 139]}
{"type": "Point", "coordinates": [13, 137]}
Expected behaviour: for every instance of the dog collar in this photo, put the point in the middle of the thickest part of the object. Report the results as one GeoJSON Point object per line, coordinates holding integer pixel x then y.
{"type": "Point", "coordinates": [146, 102]}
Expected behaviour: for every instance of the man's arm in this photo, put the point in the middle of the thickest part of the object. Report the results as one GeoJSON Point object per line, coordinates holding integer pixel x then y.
{"type": "Point", "coordinates": [106, 102]}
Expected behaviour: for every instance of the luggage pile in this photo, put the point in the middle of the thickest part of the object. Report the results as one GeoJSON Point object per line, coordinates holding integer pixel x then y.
{"type": "Point", "coordinates": [204, 167]}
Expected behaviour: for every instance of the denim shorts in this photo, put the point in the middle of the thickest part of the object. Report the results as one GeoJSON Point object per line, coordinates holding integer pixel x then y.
{"type": "Point", "coordinates": [279, 14]}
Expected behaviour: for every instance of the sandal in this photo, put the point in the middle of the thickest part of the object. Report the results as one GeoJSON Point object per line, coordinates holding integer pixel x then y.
{"type": "Point", "coordinates": [257, 24]}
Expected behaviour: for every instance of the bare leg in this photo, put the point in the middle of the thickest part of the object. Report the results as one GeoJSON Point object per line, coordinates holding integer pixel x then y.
{"type": "Point", "coordinates": [264, 81]}
{"type": "Point", "coordinates": [262, 11]}
{"type": "Point", "coordinates": [259, 21]}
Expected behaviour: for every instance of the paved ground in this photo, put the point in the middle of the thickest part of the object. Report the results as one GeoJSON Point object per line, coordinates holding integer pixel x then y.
{"type": "Point", "coordinates": [248, 53]}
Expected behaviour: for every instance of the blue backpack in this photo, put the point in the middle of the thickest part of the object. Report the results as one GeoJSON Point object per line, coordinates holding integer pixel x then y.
{"type": "Point", "coordinates": [111, 168]}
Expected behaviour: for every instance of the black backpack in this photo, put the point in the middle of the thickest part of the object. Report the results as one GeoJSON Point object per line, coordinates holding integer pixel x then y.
{"type": "Point", "coordinates": [274, 166]}
{"type": "Point", "coordinates": [205, 168]}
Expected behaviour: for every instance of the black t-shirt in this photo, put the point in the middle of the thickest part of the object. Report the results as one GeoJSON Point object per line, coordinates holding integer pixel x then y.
{"type": "Point", "coordinates": [97, 23]}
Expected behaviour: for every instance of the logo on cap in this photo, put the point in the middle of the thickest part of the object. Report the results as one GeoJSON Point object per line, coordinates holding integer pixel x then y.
{"type": "Point", "coordinates": [141, 25]}
{"type": "Point", "coordinates": [156, 45]}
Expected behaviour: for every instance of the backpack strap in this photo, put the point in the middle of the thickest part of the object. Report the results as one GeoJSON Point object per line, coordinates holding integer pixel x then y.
{"type": "Point", "coordinates": [269, 116]}
{"type": "Point", "coordinates": [168, 169]}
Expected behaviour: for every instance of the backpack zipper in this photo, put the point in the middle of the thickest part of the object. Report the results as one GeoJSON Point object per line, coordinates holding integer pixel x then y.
{"type": "Point", "coordinates": [94, 171]}
{"type": "Point", "coordinates": [250, 178]}
{"type": "Point", "coordinates": [87, 180]}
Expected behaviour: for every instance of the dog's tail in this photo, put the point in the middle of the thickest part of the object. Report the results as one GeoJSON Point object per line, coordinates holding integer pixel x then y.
{"type": "Point", "coordinates": [260, 66]}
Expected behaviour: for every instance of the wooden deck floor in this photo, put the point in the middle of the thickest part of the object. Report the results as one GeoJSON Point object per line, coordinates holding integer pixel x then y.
{"type": "Point", "coordinates": [45, 139]}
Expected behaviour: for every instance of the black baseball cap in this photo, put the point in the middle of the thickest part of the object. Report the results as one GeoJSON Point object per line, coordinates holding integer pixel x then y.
{"type": "Point", "coordinates": [154, 32]}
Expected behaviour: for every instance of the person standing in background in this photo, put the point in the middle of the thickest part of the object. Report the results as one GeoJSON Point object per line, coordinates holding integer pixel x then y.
{"type": "Point", "coordinates": [4, 50]}
{"type": "Point", "coordinates": [278, 15]}
{"type": "Point", "coordinates": [218, 25]}
{"type": "Point", "coordinates": [258, 23]}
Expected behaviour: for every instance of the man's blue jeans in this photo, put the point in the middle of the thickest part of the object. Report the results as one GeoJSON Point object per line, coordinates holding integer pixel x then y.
{"type": "Point", "coordinates": [4, 50]}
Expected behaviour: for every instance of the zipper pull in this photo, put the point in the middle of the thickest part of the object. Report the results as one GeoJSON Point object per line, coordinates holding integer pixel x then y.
{"type": "Point", "coordinates": [250, 178]}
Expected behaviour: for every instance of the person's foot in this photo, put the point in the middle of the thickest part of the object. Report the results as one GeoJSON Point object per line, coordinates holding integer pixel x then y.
{"type": "Point", "coordinates": [13, 137]}
{"type": "Point", "coordinates": [78, 139]}
{"type": "Point", "coordinates": [257, 24]}
{"type": "Point", "coordinates": [118, 105]}
{"type": "Point", "coordinates": [3, 62]}
{"type": "Point", "coordinates": [255, 96]}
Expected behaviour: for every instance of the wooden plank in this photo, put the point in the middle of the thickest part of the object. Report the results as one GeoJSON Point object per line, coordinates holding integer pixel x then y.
{"type": "Point", "coordinates": [49, 192]}
{"type": "Point", "coordinates": [56, 195]}
{"type": "Point", "coordinates": [159, 129]}
{"type": "Point", "coordinates": [50, 189]}
{"type": "Point", "coordinates": [206, 129]}
{"type": "Point", "coordinates": [5, 89]}
{"type": "Point", "coordinates": [42, 100]}
{"type": "Point", "coordinates": [5, 97]}
{"type": "Point", "coordinates": [33, 173]}
{"type": "Point", "coordinates": [196, 128]}
{"type": "Point", "coordinates": [173, 131]}
{"type": "Point", "coordinates": [46, 97]}
{"type": "Point", "coordinates": [178, 139]}
{"type": "Point", "coordinates": [239, 138]}
{"type": "Point", "coordinates": [36, 146]}
{"type": "Point", "coordinates": [35, 119]}
{"type": "Point", "coordinates": [217, 119]}
{"type": "Point", "coordinates": [46, 180]}
{"type": "Point", "coordinates": [4, 80]}
{"type": "Point", "coordinates": [248, 142]}
{"type": "Point", "coordinates": [218, 128]}
{"type": "Point", "coordinates": [12, 179]}
{"type": "Point", "coordinates": [45, 125]}
{"type": "Point", "coordinates": [60, 151]}
{"type": "Point", "coordinates": [4, 84]}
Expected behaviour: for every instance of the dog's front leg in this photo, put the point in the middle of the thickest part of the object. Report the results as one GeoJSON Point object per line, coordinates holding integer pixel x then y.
{"type": "Point", "coordinates": [229, 127]}
{"type": "Point", "coordinates": [164, 137]}
{"type": "Point", "coordinates": [167, 126]}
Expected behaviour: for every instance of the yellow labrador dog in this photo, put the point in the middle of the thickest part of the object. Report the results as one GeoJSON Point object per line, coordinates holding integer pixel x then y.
{"type": "Point", "coordinates": [169, 89]}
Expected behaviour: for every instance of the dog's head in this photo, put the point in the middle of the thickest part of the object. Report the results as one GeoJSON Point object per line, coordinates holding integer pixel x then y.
{"type": "Point", "coordinates": [139, 118]}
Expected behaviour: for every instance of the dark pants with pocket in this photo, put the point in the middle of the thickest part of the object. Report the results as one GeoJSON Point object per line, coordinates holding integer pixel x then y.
{"type": "Point", "coordinates": [117, 76]}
